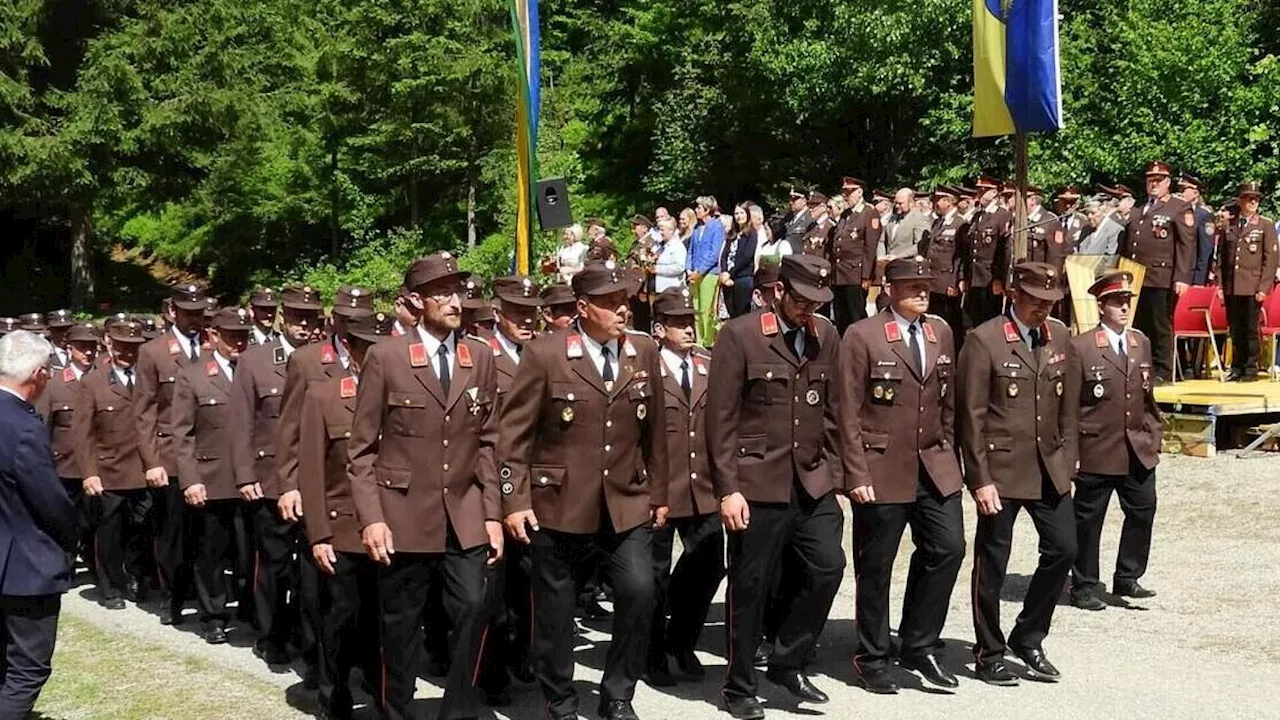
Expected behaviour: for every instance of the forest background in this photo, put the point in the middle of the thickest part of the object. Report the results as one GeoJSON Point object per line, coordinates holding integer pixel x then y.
{"type": "Point", "coordinates": [333, 141]}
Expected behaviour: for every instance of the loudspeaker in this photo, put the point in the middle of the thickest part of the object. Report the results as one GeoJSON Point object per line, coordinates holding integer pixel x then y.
{"type": "Point", "coordinates": [553, 204]}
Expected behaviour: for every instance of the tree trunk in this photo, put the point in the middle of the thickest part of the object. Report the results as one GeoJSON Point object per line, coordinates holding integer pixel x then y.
{"type": "Point", "coordinates": [335, 202]}
{"type": "Point", "coordinates": [82, 286]}
{"type": "Point", "coordinates": [471, 204]}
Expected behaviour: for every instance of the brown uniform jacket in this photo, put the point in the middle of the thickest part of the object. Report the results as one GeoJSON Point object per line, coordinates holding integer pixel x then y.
{"type": "Point", "coordinates": [1047, 244]}
{"type": "Point", "coordinates": [327, 506]}
{"type": "Point", "coordinates": [256, 397]}
{"type": "Point", "coordinates": [946, 245]}
{"type": "Point", "coordinates": [690, 491]}
{"type": "Point", "coordinates": [1017, 408]}
{"type": "Point", "coordinates": [990, 247]}
{"type": "Point", "coordinates": [159, 362]}
{"type": "Point", "coordinates": [422, 462]}
{"type": "Point", "coordinates": [771, 418]}
{"type": "Point", "coordinates": [204, 426]}
{"type": "Point", "coordinates": [506, 369]}
{"type": "Point", "coordinates": [892, 421]}
{"type": "Point", "coordinates": [103, 431]}
{"type": "Point", "coordinates": [57, 405]}
{"type": "Point", "coordinates": [1075, 228]}
{"type": "Point", "coordinates": [308, 364]}
{"type": "Point", "coordinates": [1246, 257]}
{"type": "Point", "coordinates": [817, 238]}
{"type": "Point", "coordinates": [853, 245]}
{"type": "Point", "coordinates": [1118, 412]}
{"type": "Point", "coordinates": [1164, 240]}
{"type": "Point", "coordinates": [569, 446]}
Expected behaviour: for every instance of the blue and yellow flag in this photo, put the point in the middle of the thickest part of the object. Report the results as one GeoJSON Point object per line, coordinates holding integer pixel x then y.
{"type": "Point", "coordinates": [1017, 79]}
{"type": "Point", "coordinates": [524, 20]}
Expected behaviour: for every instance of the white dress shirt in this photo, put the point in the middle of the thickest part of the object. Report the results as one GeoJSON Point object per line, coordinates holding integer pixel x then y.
{"type": "Point", "coordinates": [801, 336]}
{"type": "Point", "coordinates": [669, 269]}
{"type": "Point", "coordinates": [432, 346]}
{"type": "Point", "coordinates": [508, 347]}
{"type": "Point", "coordinates": [905, 326]}
{"type": "Point", "coordinates": [224, 364]}
{"type": "Point", "coordinates": [1116, 339]}
{"type": "Point", "coordinates": [284, 343]}
{"type": "Point", "coordinates": [121, 377]}
{"type": "Point", "coordinates": [673, 360]}
{"type": "Point", "coordinates": [1025, 332]}
{"type": "Point", "coordinates": [184, 342]}
{"type": "Point", "coordinates": [595, 352]}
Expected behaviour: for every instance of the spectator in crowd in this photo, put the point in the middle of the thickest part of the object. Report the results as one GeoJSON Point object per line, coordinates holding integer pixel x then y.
{"type": "Point", "coordinates": [570, 256]}
{"type": "Point", "coordinates": [703, 264]}
{"type": "Point", "coordinates": [672, 256]}
{"type": "Point", "coordinates": [738, 263]}
{"type": "Point", "coordinates": [685, 224]}
{"type": "Point", "coordinates": [768, 243]}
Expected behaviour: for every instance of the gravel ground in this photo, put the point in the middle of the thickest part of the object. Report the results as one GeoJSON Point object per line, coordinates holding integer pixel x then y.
{"type": "Point", "coordinates": [1207, 646]}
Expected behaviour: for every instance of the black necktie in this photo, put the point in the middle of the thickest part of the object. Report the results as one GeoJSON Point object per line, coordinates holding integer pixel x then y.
{"type": "Point", "coordinates": [685, 383]}
{"type": "Point", "coordinates": [606, 372]}
{"type": "Point", "coordinates": [195, 350]}
{"type": "Point", "coordinates": [1034, 334]}
{"type": "Point", "coordinates": [445, 378]}
{"type": "Point", "coordinates": [128, 378]}
{"type": "Point", "coordinates": [790, 337]}
{"type": "Point", "coordinates": [231, 364]}
{"type": "Point", "coordinates": [1124, 358]}
{"type": "Point", "coordinates": [915, 348]}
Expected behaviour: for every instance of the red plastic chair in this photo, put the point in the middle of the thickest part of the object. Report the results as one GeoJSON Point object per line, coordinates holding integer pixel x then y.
{"type": "Point", "coordinates": [1193, 320]}
{"type": "Point", "coordinates": [1270, 322]}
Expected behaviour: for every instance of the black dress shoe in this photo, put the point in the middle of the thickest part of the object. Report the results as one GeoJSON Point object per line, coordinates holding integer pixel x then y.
{"type": "Point", "coordinates": [763, 653]}
{"type": "Point", "coordinates": [1038, 666]}
{"type": "Point", "coordinates": [1131, 588]}
{"type": "Point", "coordinates": [878, 681]}
{"type": "Point", "coordinates": [1087, 600]}
{"type": "Point", "coordinates": [743, 708]}
{"type": "Point", "coordinates": [931, 670]}
{"type": "Point", "coordinates": [995, 673]}
{"type": "Point", "coordinates": [617, 710]}
{"type": "Point", "coordinates": [112, 603]}
{"type": "Point", "coordinates": [270, 653]}
{"type": "Point", "coordinates": [216, 635]}
{"type": "Point", "coordinates": [689, 665]}
{"type": "Point", "coordinates": [797, 683]}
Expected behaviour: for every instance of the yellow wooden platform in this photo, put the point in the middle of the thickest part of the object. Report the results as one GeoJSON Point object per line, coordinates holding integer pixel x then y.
{"type": "Point", "coordinates": [1211, 396]}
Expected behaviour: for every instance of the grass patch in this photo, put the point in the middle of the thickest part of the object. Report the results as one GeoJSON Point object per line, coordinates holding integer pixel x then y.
{"type": "Point", "coordinates": [100, 674]}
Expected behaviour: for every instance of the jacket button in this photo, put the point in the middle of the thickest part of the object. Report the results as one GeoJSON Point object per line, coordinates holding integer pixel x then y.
{"type": "Point", "coordinates": [693, 454]}
{"type": "Point", "coordinates": [693, 476]}
{"type": "Point", "coordinates": [407, 401]}
{"type": "Point", "coordinates": [333, 513]}
{"type": "Point", "coordinates": [262, 453]}
{"type": "Point", "coordinates": [991, 446]}
{"type": "Point", "coordinates": [608, 447]}
{"type": "Point", "coordinates": [693, 434]}
{"type": "Point", "coordinates": [388, 483]}
{"type": "Point", "coordinates": [795, 444]}
{"type": "Point", "coordinates": [768, 375]}
{"type": "Point", "coordinates": [446, 443]}
{"type": "Point", "coordinates": [346, 434]}
{"type": "Point", "coordinates": [608, 423]}
{"type": "Point", "coordinates": [274, 391]}
{"type": "Point", "coordinates": [110, 408]}
{"type": "Point", "coordinates": [446, 491]}
{"type": "Point", "coordinates": [543, 480]}
{"type": "Point", "coordinates": [742, 451]}
{"type": "Point", "coordinates": [446, 418]}
{"type": "Point", "coordinates": [446, 466]}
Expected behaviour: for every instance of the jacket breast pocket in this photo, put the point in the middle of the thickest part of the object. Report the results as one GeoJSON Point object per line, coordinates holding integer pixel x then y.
{"type": "Point", "coordinates": [1096, 390]}
{"type": "Point", "coordinates": [877, 441]}
{"type": "Point", "coordinates": [392, 478]}
{"type": "Point", "coordinates": [406, 413]}
{"type": "Point", "coordinates": [752, 448]}
{"type": "Point", "coordinates": [767, 384]}
{"type": "Point", "coordinates": [213, 411]}
{"type": "Point", "coordinates": [567, 403]}
{"type": "Point", "coordinates": [885, 385]}
{"type": "Point", "coordinates": [1012, 384]}
{"type": "Point", "coordinates": [269, 401]}
{"type": "Point", "coordinates": [547, 476]}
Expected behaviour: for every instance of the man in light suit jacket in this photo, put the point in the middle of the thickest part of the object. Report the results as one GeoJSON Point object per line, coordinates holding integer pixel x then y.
{"type": "Point", "coordinates": [37, 527]}
{"type": "Point", "coordinates": [905, 228]}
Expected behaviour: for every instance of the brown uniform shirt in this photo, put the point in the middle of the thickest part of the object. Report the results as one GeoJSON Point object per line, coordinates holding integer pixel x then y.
{"type": "Point", "coordinates": [159, 362]}
{"type": "Point", "coordinates": [256, 398]}
{"type": "Point", "coordinates": [421, 461]}
{"type": "Point", "coordinates": [946, 245]}
{"type": "Point", "coordinates": [853, 245]}
{"type": "Point", "coordinates": [204, 426]}
{"type": "Point", "coordinates": [57, 405]}
{"type": "Point", "coordinates": [771, 417]}
{"type": "Point", "coordinates": [1163, 239]}
{"type": "Point", "coordinates": [569, 445]}
{"type": "Point", "coordinates": [893, 421]}
{"type": "Point", "coordinates": [817, 238]}
{"type": "Point", "coordinates": [1118, 412]}
{"type": "Point", "coordinates": [1047, 244]}
{"type": "Point", "coordinates": [1246, 257]}
{"type": "Point", "coordinates": [104, 433]}
{"type": "Point", "coordinates": [308, 364]}
{"type": "Point", "coordinates": [328, 509]}
{"type": "Point", "coordinates": [1018, 409]}
{"type": "Point", "coordinates": [690, 491]}
{"type": "Point", "coordinates": [990, 247]}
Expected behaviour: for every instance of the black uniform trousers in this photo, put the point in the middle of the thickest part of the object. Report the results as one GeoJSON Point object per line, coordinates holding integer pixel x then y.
{"type": "Point", "coordinates": [123, 528]}
{"type": "Point", "coordinates": [804, 533]}
{"type": "Point", "coordinates": [1243, 314]}
{"type": "Point", "coordinates": [687, 591]}
{"type": "Point", "coordinates": [627, 558]}
{"type": "Point", "coordinates": [1137, 493]}
{"type": "Point", "coordinates": [348, 606]}
{"type": "Point", "coordinates": [214, 529]}
{"type": "Point", "coordinates": [937, 529]}
{"type": "Point", "coordinates": [980, 305]}
{"type": "Point", "coordinates": [507, 645]}
{"type": "Point", "coordinates": [948, 308]}
{"type": "Point", "coordinates": [84, 525]}
{"type": "Point", "coordinates": [174, 542]}
{"type": "Point", "coordinates": [1055, 523]}
{"type": "Point", "coordinates": [276, 565]}
{"type": "Point", "coordinates": [849, 305]}
{"type": "Point", "coordinates": [402, 595]}
{"type": "Point", "coordinates": [28, 632]}
{"type": "Point", "coordinates": [1154, 316]}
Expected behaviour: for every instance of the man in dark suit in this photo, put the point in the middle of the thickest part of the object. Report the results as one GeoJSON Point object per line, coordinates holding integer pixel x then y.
{"type": "Point", "coordinates": [39, 527]}
{"type": "Point", "coordinates": [1189, 187]}
{"type": "Point", "coordinates": [775, 466]}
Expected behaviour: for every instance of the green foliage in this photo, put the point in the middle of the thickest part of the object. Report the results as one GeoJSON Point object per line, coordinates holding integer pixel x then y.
{"type": "Point", "coordinates": [378, 264]}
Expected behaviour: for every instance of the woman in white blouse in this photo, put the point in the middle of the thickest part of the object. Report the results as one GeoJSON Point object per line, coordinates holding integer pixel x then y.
{"type": "Point", "coordinates": [767, 245]}
{"type": "Point", "coordinates": [569, 258]}
{"type": "Point", "coordinates": [668, 271]}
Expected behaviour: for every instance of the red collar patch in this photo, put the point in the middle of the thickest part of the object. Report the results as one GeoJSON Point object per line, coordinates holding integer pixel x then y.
{"type": "Point", "coordinates": [627, 348]}
{"type": "Point", "coordinates": [418, 355]}
{"type": "Point", "coordinates": [1100, 338]}
{"type": "Point", "coordinates": [700, 364]}
{"type": "Point", "coordinates": [174, 347]}
{"type": "Point", "coordinates": [495, 346]}
{"type": "Point", "coordinates": [573, 346]}
{"type": "Point", "coordinates": [1133, 340]}
{"type": "Point", "coordinates": [347, 387]}
{"type": "Point", "coordinates": [68, 375]}
{"type": "Point", "coordinates": [1011, 333]}
{"type": "Point", "coordinates": [892, 333]}
{"type": "Point", "coordinates": [928, 332]}
{"type": "Point", "coordinates": [464, 355]}
{"type": "Point", "coordinates": [211, 368]}
{"type": "Point", "coordinates": [769, 324]}
{"type": "Point", "coordinates": [327, 355]}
